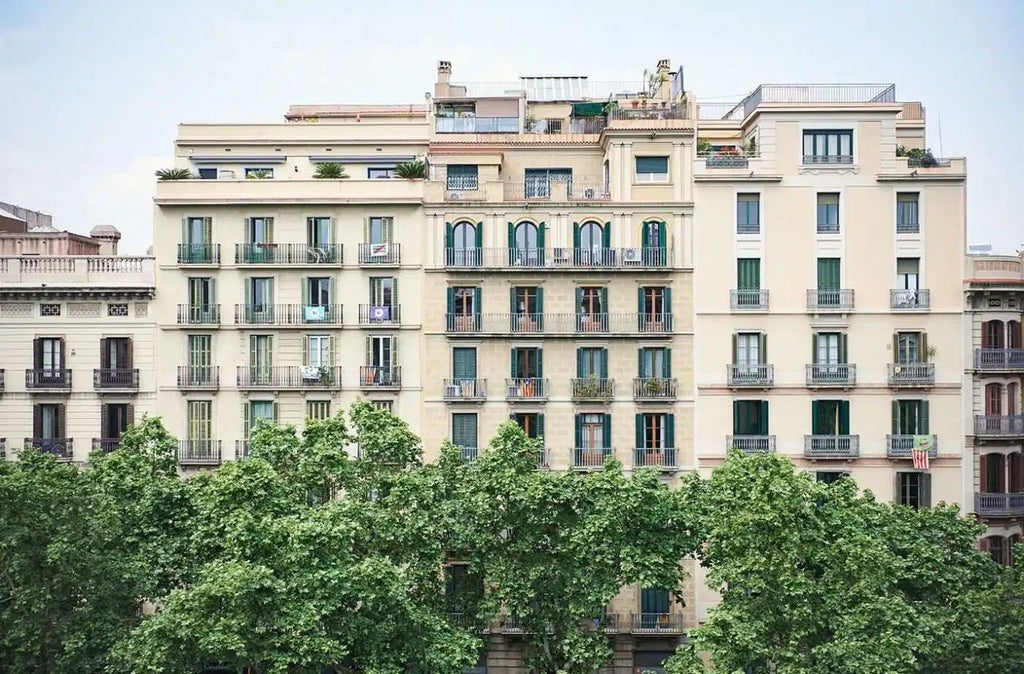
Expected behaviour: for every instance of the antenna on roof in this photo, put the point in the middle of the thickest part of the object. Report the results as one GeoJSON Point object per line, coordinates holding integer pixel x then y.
{"type": "Point", "coordinates": [940, 136]}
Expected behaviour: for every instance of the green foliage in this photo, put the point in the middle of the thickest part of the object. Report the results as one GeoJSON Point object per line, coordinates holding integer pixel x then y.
{"type": "Point", "coordinates": [174, 174]}
{"type": "Point", "coordinates": [411, 170]}
{"type": "Point", "coordinates": [703, 146]}
{"type": "Point", "coordinates": [330, 171]}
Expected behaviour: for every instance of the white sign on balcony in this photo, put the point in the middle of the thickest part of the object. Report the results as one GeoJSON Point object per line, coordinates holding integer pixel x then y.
{"type": "Point", "coordinates": [380, 249]}
{"type": "Point", "coordinates": [380, 313]}
{"type": "Point", "coordinates": [315, 313]}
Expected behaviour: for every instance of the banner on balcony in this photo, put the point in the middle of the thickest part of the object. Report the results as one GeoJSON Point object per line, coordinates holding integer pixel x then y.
{"type": "Point", "coordinates": [923, 445]}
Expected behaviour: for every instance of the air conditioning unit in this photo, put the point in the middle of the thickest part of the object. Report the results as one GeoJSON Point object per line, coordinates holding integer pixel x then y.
{"type": "Point", "coordinates": [380, 249]}
{"type": "Point", "coordinates": [452, 391]}
{"type": "Point", "coordinates": [632, 255]}
{"type": "Point", "coordinates": [310, 372]}
{"type": "Point", "coordinates": [561, 255]}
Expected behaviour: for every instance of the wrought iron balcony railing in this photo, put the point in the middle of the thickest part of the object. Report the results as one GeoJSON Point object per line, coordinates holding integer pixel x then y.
{"type": "Point", "coordinates": [53, 379]}
{"type": "Point", "coordinates": [592, 388]}
{"type": "Point", "coordinates": [831, 374]}
{"type": "Point", "coordinates": [289, 377]}
{"type": "Point", "coordinates": [750, 444]}
{"type": "Point", "coordinates": [61, 448]}
{"type": "Point", "coordinates": [464, 389]}
{"type": "Point", "coordinates": [205, 377]}
{"type": "Point", "coordinates": [199, 452]}
{"type": "Point", "coordinates": [385, 254]}
{"type": "Point", "coordinates": [526, 388]}
{"type": "Point", "coordinates": [199, 253]}
{"type": "Point", "coordinates": [375, 376]}
{"type": "Point", "coordinates": [657, 623]}
{"type": "Point", "coordinates": [116, 378]}
{"type": "Point", "coordinates": [614, 323]}
{"type": "Point", "coordinates": [105, 445]}
{"type": "Point", "coordinates": [663, 458]}
{"type": "Point", "coordinates": [198, 314]}
{"type": "Point", "coordinates": [654, 388]}
{"type": "Point", "coordinates": [829, 300]}
{"type": "Point", "coordinates": [288, 254]}
{"type": "Point", "coordinates": [900, 446]}
{"type": "Point", "coordinates": [567, 259]}
{"type": "Point", "coordinates": [380, 314]}
{"type": "Point", "coordinates": [590, 458]}
{"type": "Point", "coordinates": [757, 375]}
{"type": "Point", "coordinates": [902, 300]}
{"type": "Point", "coordinates": [288, 314]}
{"type": "Point", "coordinates": [911, 374]}
{"type": "Point", "coordinates": [831, 446]}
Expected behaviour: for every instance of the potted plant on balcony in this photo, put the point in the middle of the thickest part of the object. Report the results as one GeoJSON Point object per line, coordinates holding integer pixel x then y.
{"type": "Point", "coordinates": [325, 376]}
{"type": "Point", "coordinates": [411, 170]}
{"type": "Point", "coordinates": [259, 174]}
{"type": "Point", "coordinates": [173, 174]}
{"type": "Point", "coordinates": [654, 386]}
{"type": "Point", "coordinates": [330, 171]}
{"type": "Point", "coordinates": [703, 146]}
{"type": "Point", "coordinates": [589, 387]}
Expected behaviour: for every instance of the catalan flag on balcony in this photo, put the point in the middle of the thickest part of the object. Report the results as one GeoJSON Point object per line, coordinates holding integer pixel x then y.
{"type": "Point", "coordinates": [923, 445]}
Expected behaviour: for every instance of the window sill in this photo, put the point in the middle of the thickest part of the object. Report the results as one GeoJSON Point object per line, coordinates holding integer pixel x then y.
{"type": "Point", "coordinates": [642, 183]}
{"type": "Point", "coordinates": [829, 168]}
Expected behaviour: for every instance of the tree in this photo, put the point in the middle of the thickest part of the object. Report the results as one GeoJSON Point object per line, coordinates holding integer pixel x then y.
{"type": "Point", "coordinates": [821, 578]}
{"type": "Point", "coordinates": [555, 548]}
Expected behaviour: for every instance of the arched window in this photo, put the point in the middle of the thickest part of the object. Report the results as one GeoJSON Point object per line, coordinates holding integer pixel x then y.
{"type": "Point", "coordinates": [589, 242]}
{"type": "Point", "coordinates": [526, 242]}
{"type": "Point", "coordinates": [1013, 334]}
{"type": "Point", "coordinates": [591, 236]}
{"type": "Point", "coordinates": [465, 245]}
{"type": "Point", "coordinates": [992, 335]}
{"type": "Point", "coordinates": [653, 238]}
{"type": "Point", "coordinates": [993, 399]}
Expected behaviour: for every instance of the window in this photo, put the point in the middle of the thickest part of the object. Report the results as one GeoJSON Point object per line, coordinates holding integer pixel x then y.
{"type": "Point", "coordinates": [527, 301]}
{"type": "Point", "coordinates": [750, 417]}
{"type": "Point", "coordinates": [538, 181]}
{"type": "Point", "coordinates": [464, 300]}
{"type": "Point", "coordinates": [197, 231]}
{"type": "Point", "coordinates": [464, 431]}
{"type": "Point", "coordinates": [589, 241]}
{"type": "Point", "coordinates": [259, 172]}
{"type": "Point", "coordinates": [383, 291]}
{"type": "Point", "coordinates": [208, 174]}
{"type": "Point", "coordinates": [380, 173]}
{"type": "Point", "coordinates": [913, 489]}
{"type": "Point", "coordinates": [259, 230]}
{"type": "Point", "coordinates": [464, 363]}
{"type": "Point", "coordinates": [319, 351]}
{"type": "Point", "coordinates": [996, 548]}
{"type": "Point", "coordinates": [256, 411]}
{"type": "Point", "coordinates": [527, 362]}
{"type": "Point", "coordinates": [317, 291]}
{"type": "Point", "coordinates": [829, 349]}
{"type": "Point", "coordinates": [655, 431]}
{"type": "Point", "coordinates": [654, 603]}
{"type": "Point", "coordinates": [201, 293]}
{"type": "Point", "coordinates": [1012, 399]}
{"type": "Point", "coordinates": [910, 347]}
{"type": "Point", "coordinates": [652, 169]}
{"type": "Point", "coordinates": [381, 351]}
{"type": "Point", "coordinates": [49, 356]}
{"type": "Point", "coordinates": [49, 423]}
{"type": "Point", "coordinates": [463, 243]}
{"type": "Point", "coordinates": [591, 300]}
{"type": "Point", "coordinates": [386, 405]}
{"type": "Point", "coordinates": [830, 476]}
{"type": "Point", "coordinates": [261, 358]}
{"type": "Point", "coordinates": [907, 213]}
{"type": "Point", "coordinates": [655, 302]}
{"type": "Point", "coordinates": [749, 351]}
{"type": "Point", "coordinates": [828, 213]}
{"type": "Point", "coordinates": [828, 146]}
{"type": "Point", "coordinates": [379, 230]}
{"type": "Point", "coordinates": [828, 280]}
{"type": "Point", "coordinates": [593, 432]}
{"type": "Point", "coordinates": [592, 362]}
{"type": "Point", "coordinates": [259, 298]}
{"type": "Point", "coordinates": [748, 282]}
{"type": "Point", "coordinates": [115, 418]}
{"type": "Point", "coordinates": [526, 244]}
{"type": "Point", "coordinates": [992, 335]}
{"type": "Point", "coordinates": [532, 424]}
{"type": "Point", "coordinates": [318, 409]}
{"type": "Point", "coordinates": [655, 363]}
{"type": "Point", "coordinates": [748, 213]}
{"type": "Point", "coordinates": [200, 359]}
{"type": "Point", "coordinates": [992, 479]}
{"type": "Point", "coordinates": [1013, 332]}
{"type": "Point", "coordinates": [116, 360]}
{"type": "Point", "coordinates": [462, 177]}
{"type": "Point", "coordinates": [830, 417]}
{"type": "Point", "coordinates": [319, 232]}
{"type": "Point", "coordinates": [993, 399]}
{"type": "Point", "coordinates": [910, 417]}
{"type": "Point", "coordinates": [200, 420]}
{"type": "Point", "coordinates": [907, 273]}
{"type": "Point", "coordinates": [654, 242]}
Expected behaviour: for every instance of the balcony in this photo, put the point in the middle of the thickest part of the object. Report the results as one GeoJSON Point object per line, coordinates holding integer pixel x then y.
{"type": "Point", "coordinates": [829, 300]}
{"type": "Point", "coordinates": [734, 158]}
{"type": "Point", "coordinates": [48, 380]}
{"type": "Point", "coordinates": [526, 388]}
{"type": "Point", "coordinates": [192, 314]}
{"type": "Point", "coordinates": [477, 125]}
{"type": "Point", "coordinates": [300, 254]}
{"type": "Point", "coordinates": [908, 227]}
{"type": "Point", "coordinates": [241, 449]}
{"type": "Point", "coordinates": [910, 300]}
{"type": "Point", "coordinates": [105, 445]}
{"type": "Point", "coordinates": [464, 389]}
{"type": "Point", "coordinates": [831, 375]}
{"type": "Point", "coordinates": [999, 426]}
{"type": "Point", "coordinates": [377, 377]}
{"type": "Point", "coordinates": [565, 259]}
{"type": "Point", "coordinates": [63, 449]}
{"type": "Point", "coordinates": [288, 314]}
{"type": "Point", "coordinates": [290, 377]}
{"type": "Point", "coordinates": [748, 300]}
{"type": "Point", "coordinates": [656, 623]}
{"type": "Point", "coordinates": [900, 446]}
{"type": "Point", "coordinates": [831, 446]}
{"type": "Point", "coordinates": [117, 379]}
{"type": "Point", "coordinates": [199, 452]}
{"type": "Point", "coordinates": [663, 459]}
{"type": "Point", "coordinates": [592, 388]}
{"type": "Point", "coordinates": [380, 254]}
{"type": "Point", "coordinates": [81, 271]}
{"type": "Point", "coordinates": [199, 254]}
{"type": "Point", "coordinates": [199, 377]}
{"type": "Point", "coordinates": [653, 389]}
{"type": "Point", "coordinates": [380, 314]}
{"type": "Point", "coordinates": [286, 190]}
{"type": "Point", "coordinates": [758, 375]}
{"type": "Point", "coordinates": [468, 621]}
{"type": "Point", "coordinates": [999, 505]}
{"type": "Point", "coordinates": [910, 375]}
{"type": "Point", "coordinates": [590, 458]}
{"type": "Point", "coordinates": [750, 444]}
{"type": "Point", "coordinates": [999, 360]}
{"type": "Point", "coordinates": [567, 324]}
{"type": "Point", "coordinates": [468, 454]}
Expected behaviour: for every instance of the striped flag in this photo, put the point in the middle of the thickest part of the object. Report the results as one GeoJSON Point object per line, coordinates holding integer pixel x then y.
{"type": "Point", "coordinates": [922, 447]}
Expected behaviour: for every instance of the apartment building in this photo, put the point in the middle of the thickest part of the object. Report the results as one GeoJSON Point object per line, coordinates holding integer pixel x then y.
{"type": "Point", "coordinates": [77, 328]}
{"type": "Point", "coordinates": [992, 398]}
{"type": "Point", "coordinates": [827, 322]}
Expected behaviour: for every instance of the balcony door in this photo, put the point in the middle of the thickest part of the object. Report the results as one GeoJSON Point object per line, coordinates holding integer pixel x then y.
{"type": "Point", "coordinates": [464, 243]}
{"type": "Point", "coordinates": [115, 418]}
{"type": "Point", "coordinates": [200, 423]}
{"type": "Point", "coordinates": [593, 433]}
{"type": "Point", "coordinates": [319, 351]}
{"type": "Point", "coordinates": [830, 417]}
{"type": "Point", "coordinates": [590, 244]}
{"type": "Point", "coordinates": [592, 363]}
{"type": "Point", "coordinates": [261, 358]}
{"type": "Point", "coordinates": [750, 417]}
{"type": "Point", "coordinates": [382, 352]}
{"type": "Point", "coordinates": [201, 294]}
{"type": "Point", "coordinates": [527, 363]}
{"type": "Point", "coordinates": [200, 358]}
{"type": "Point", "coordinates": [654, 603]}
{"type": "Point", "coordinates": [654, 363]}
{"type": "Point", "coordinates": [910, 348]}
{"type": "Point", "coordinates": [116, 353]}
{"type": "Point", "coordinates": [526, 241]}
{"type": "Point", "coordinates": [259, 231]}
{"type": "Point", "coordinates": [49, 360]}
{"type": "Point", "coordinates": [909, 417]}
{"type": "Point", "coordinates": [319, 232]}
{"type": "Point", "coordinates": [318, 291]}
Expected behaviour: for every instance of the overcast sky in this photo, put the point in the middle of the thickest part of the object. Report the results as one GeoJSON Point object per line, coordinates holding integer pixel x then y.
{"type": "Point", "coordinates": [90, 92]}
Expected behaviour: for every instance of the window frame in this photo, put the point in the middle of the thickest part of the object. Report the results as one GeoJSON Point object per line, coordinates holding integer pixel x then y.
{"type": "Point", "coordinates": [651, 177]}
{"type": "Point", "coordinates": [382, 172]}
{"type": "Point", "coordinates": [820, 137]}
{"type": "Point", "coordinates": [745, 203]}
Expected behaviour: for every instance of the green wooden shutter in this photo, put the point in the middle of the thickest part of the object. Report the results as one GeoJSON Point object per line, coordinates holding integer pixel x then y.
{"type": "Point", "coordinates": [639, 430]}
{"type": "Point", "coordinates": [579, 300]}
{"type": "Point", "coordinates": [185, 238]}
{"type": "Point", "coordinates": [923, 427]}
{"type": "Point", "coordinates": [670, 429]}
{"type": "Point", "coordinates": [816, 425]}
{"type": "Point", "coordinates": [369, 350]}
{"type": "Point", "coordinates": [926, 490]}
{"type": "Point", "coordinates": [449, 316]}
{"type": "Point", "coordinates": [246, 419]}
{"type": "Point", "coordinates": [540, 362]}
{"type": "Point", "coordinates": [540, 428]}
{"type": "Point", "coordinates": [607, 428]}
{"type": "Point", "coordinates": [762, 418]}
{"type": "Point", "coordinates": [736, 430]}
{"type": "Point", "coordinates": [762, 350]}
{"type": "Point", "coordinates": [667, 302]}
{"type": "Point", "coordinates": [449, 237]}
{"type": "Point", "coordinates": [662, 243]}
{"type": "Point", "coordinates": [540, 300]}
{"type": "Point", "coordinates": [828, 273]}
{"type": "Point", "coordinates": [606, 235]}
{"type": "Point", "coordinates": [645, 235]}
{"type": "Point", "coordinates": [579, 363]}
{"type": "Point", "coordinates": [305, 349]}
{"type": "Point", "coordinates": [748, 273]}
{"type": "Point", "coordinates": [512, 365]}
{"type": "Point", "coordinates": [578, 419]}
{"type": "Point", "coordinates": [896, 417]}
{"type": "Point", "coordinates": [575, 236]}
{"type": "Point", "coordinates": [479, 235]}
{"type": "Point", "coordinates": [464, 363]}
{"type": "Point", "coordinates": [541, 230]}
{"type": "Point", "coordinates": [844, 417]}
{"type": "Point", "coordinates": [477, 302]}
{"type": "Point", "coordinates": [842, 348]}
{"type": "Point", "coordinates": [735, 349]}
{"type": "Point", "coordinates": [814, 348]}
{"type": "Point", "coordinates": [896, 347]}
{"type": "Point", "coordinates": [511, 243]}
{"type": "Point", "coordinates": [332, 350]}
{"type": "Point", "coordinates": [602, 293]}
{"type": "Point", "coordinates": [604, 363]}
{"type": "Point", "coordinates": [512, 299]}
{"type": "Point", "coordinates": [640, 303]}
{"type": "Point", "coordinates": [922, 348]}
{"type": "Point", "coordinates": [668, 363]}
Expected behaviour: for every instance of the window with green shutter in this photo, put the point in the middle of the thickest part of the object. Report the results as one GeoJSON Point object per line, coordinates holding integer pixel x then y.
{"type": "Point", "coordinates": [830, 417]}
{"type": "Point", "coordinates": [750, 417]}
{"type": "Point", "coordinates": [910, 417]}
{"type": "Point", "coordinates": [464, 430]}
{"type": "Point", "coordinates": [748, 273]}
{"type": "Point", "coordinates": [828, 273]}
{"type": "Point", "coordinates": [464, 363]}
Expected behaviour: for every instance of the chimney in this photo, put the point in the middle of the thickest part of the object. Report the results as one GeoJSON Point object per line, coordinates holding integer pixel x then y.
{"type": "Point", "coordinates": [107, 236]}
{"type": "Point", "coordinates": [664, 65]}
{"type": "Point", "coordinates": [444, 72]}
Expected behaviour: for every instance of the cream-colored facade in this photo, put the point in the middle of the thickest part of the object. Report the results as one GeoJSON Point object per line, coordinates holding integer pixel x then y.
{"type": "Point", "coordinates": [605, 266]}
{"type": "Point", "coordinates": [77, 331]}
{"type": "Point", "coordinates": [994, 367]}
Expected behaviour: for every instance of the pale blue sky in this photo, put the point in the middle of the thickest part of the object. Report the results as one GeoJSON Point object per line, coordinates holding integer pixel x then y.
{"type": "Point", "coordinates": [92, 91]}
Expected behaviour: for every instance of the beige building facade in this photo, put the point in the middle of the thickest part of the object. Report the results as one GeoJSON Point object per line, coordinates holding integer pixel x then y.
{"type": "Point", "coordinates": [77, 331]}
